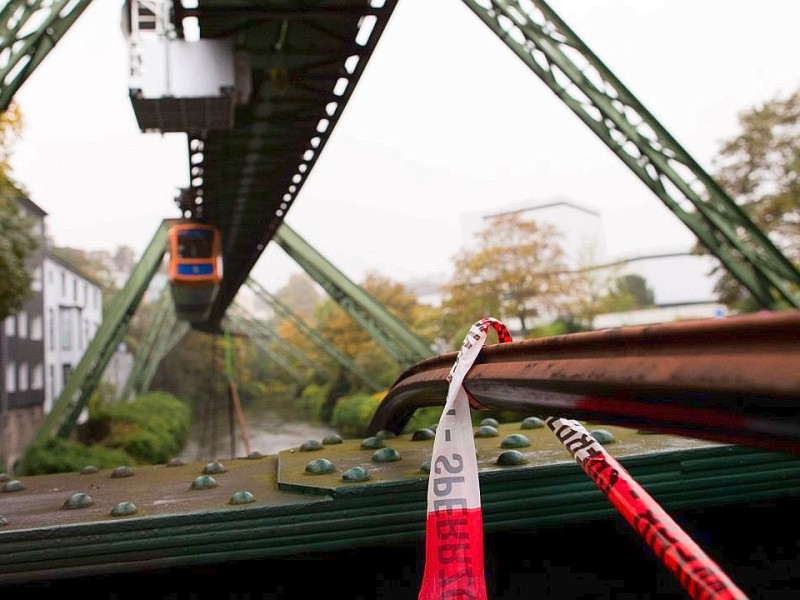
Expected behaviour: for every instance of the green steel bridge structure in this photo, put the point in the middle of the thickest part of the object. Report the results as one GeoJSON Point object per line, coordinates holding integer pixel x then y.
{"type": "Point", "coordinates": [252, 143]}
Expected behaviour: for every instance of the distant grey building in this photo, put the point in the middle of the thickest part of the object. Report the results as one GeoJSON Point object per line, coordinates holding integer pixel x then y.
{"type": "Point", "coordinates": [580, 227]}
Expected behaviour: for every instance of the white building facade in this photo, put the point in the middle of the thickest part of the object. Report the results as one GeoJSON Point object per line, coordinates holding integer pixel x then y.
{"type": "Point", "coordinates": [73, 312]}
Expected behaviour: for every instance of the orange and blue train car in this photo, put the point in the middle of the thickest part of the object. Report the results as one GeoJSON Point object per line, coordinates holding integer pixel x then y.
{"type": "Point", "coordinates": [195, 268]}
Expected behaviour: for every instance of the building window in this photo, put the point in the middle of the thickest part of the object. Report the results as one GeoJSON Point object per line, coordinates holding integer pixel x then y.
{"type": "Point", "coordinates": [23, 377]}
{"type": "Point", "coordinates": [86, 337]}
{"type": "Point", "coordinates": [36, 328]}
{"type": "Point", "coordinates": [52, 384]}
{"type": "Point", "coordinates": [66, 371]}
{"type": "Point", "coordinates": [96, 295]}
{"type": "Point", "coordinates": [11, 326]}
{"type": "Point", "coordinates": [63, 284]}
{"type": "Point", "coordinates": [36, 280]}
{"type": "Point", "coordinates": [49, 275]}
{"type": "Point", "coordinates": [75, 290]}
{"type": "Point", "coordinates": [37, 377]}
{"type": "Point", "coordinates": [51, 328]}
{"type": "Point", "coordinates": [11, 376]}
{"type": "Point", "coordinates": [66, 330]}
{"type": "Point", "coordinates": [22, 325]}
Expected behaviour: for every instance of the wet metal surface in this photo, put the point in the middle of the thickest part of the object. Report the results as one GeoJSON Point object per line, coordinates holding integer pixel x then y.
{"type": "Point", "coordinates": [733, 379]}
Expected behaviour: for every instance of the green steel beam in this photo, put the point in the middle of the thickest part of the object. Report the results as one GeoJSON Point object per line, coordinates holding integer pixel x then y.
{"type": "Point", "coordinates": [145, 349]}
{"type": "Point", "coordinates": [285, 312]}
{"type": "Point", "coordinates": [389, 331]}
{"type": "Point", "coordinates": [262, 328]}
{"type": "Point", "coordinates": [242, 327]}
{"type": "Point", "coordinates": [166, 342]}
{"type": "Point", "coordinates": [29, 29]}
{"type": "Point", "coordinates": [537, 35]}
{"type": "Point", "coordinates": [61, 420]}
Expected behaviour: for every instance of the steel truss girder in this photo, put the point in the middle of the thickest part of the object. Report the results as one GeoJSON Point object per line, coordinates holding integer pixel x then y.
{"type": "Point", "coordinates": [385, 328]}
{"type": "Point", "coordinates": [537, 35]}
{"type": "Point", "coordinates": [244, 326]}
{"type": "Point", "coordinates": [167, 339]}
{"type": "Point", "coordinates": [145, 349]}
{"type": "Point", "coordinates": [266, 331]}
{"type": "Point", "coordinates": [29, 29]}
{"type": "Point", "coordinates": [285, 312]}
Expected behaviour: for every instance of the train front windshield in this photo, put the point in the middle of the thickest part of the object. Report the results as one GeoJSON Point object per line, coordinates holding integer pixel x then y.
{"type": "Point", "coordinates": [197, 243]}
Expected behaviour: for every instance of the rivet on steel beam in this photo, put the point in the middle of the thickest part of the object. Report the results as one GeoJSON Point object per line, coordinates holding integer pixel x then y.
{"type": "Point", "coordinates": [4, 477]}
{"type": "Point", "coordinates": [122, 472]}
{"type": "Point", "coordinates": [332, 438]}
{"type": "Point", "coordinates": [79, 500]}
{"type": "Point", "coordinates": [356, 474]}
{"type": "Point", "coordinates": [310, 446]}
{"type": "Point", "coordinates": [124, 509]}
{"type": "Point", "coordinates": [603, 436]}
{"type": "Point", "coordinates": [385, 434]}
{"type": "Point", "coordinates": [243, 497]}
{"type": "Point", "coordinates": [3, 521]}
{"type": "Point", "coordinates": [213, 468]}
{"type": "Point", "coordinates": [371, 443]}
{"type": "Point", "coordinates": [511, 458]}
{"type": "Point", "coordinates": [531, 423]}
{"type": "Point", "coordinates": [426, 466]}
{"type": "Point", "coordinates": [15, 485]}
{"type": "Point", "coordinates": [385, 455]}
{"type": "Point", "coordinates": [515, 440]}
{"type": "Point", "coordinates": [89, 469]}
{"type": "Point", "coordinates": [176, 462]}
{"type": "Point", "coordinates": [485, 431]}
{"type": "Point", "coordinates": [204, 482]}
{"type": "Point", "coordinates": [255, 454]}
{"type": "Point", "coordinates": [489, 422]}
{"type": "Point", "coordinates": [423, 434]}
{"type": "Point", "coordinates": [320, 466]}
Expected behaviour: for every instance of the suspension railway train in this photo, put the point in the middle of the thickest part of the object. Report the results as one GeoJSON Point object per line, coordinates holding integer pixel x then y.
{"type": "Point", "coordinates": [194, 269]}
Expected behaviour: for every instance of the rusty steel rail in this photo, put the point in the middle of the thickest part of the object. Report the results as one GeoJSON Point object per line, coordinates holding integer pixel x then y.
{"type": "Point", "coordinates": [733, 380]}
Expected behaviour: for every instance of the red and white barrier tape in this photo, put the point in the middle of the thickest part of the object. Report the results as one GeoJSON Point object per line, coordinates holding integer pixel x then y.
{"type": "Point", "coordinates": [454, 566]}
{"type": "Point", "coordinates": [454, 526]}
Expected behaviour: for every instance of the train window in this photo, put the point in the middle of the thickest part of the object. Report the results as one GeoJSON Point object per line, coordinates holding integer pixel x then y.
{"type": "Point", "coordinates": [196, 243]}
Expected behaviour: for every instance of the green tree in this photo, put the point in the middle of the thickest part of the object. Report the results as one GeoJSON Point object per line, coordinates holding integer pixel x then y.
{"type": "Point", "coordinates": [17, 239]}
{"type": "Point", "coordinates": [516, 270]}
{"type": "Point", "coordinates": [760, 169]}
{"type": "Point", "coordinates": [628, 292]}
{"type": "Point", "coordinates": [17, 243]}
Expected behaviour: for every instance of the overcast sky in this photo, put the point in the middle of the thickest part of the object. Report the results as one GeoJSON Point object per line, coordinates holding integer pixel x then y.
{"type": "Point", "coordinates": [445, 121]}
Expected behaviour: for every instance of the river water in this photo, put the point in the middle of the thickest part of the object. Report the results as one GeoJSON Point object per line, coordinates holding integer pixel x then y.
{"type": "Point", "coordinates": [268, 432]}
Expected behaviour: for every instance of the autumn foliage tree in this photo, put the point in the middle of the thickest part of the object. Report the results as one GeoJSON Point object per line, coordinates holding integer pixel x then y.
{"type": "Point", "coordinates": [516, 270]}
{"type": "Point", "coordinates": [760, 169]}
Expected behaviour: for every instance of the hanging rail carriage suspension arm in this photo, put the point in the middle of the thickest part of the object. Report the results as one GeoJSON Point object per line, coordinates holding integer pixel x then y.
{"type": "Point", "coordinates": [546, 44]}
